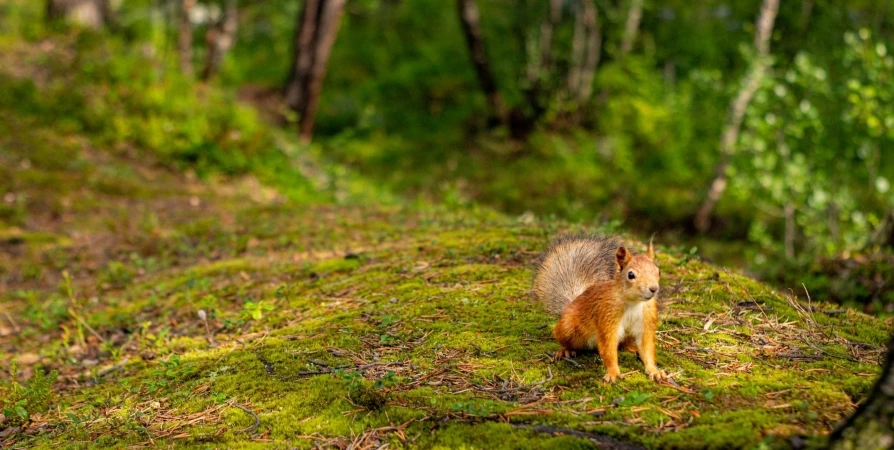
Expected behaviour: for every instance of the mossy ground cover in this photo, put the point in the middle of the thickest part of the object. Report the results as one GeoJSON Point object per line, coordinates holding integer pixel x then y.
{"type": "Point", "coordinates": [220, 314]}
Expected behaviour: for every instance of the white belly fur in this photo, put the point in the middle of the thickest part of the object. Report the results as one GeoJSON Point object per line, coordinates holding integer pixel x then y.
{"type": "Point", "coordinates": [632, 323]}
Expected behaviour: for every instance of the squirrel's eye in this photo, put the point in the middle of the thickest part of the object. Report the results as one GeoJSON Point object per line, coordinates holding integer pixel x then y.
{"type": "Point", "coordinates": [631, 275]}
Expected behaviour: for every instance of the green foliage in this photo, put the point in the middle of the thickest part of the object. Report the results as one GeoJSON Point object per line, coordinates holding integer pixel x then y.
{"type": "Point", "coordinates": [820, 187]}
{"type": "Point", "coordinates": [18, 402]}
{"type": "Point", "coordinates": [130, 97]}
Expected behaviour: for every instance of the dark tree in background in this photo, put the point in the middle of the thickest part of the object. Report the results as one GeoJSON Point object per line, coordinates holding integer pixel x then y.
{"type": "Point", "coordinates": [872, 424]}
{"type": "Point", "coordinates": [220, 39]}
{"type": "Point", "coordinates": [90, 13]}
{"type": "Point", "coordinates": [315, 34]}
{"type": "Point", "coordinates": [471, 25]}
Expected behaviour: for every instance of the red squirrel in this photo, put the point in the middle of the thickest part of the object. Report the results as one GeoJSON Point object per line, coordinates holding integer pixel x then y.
{"type": "Point", "coordinates": [606, 298]}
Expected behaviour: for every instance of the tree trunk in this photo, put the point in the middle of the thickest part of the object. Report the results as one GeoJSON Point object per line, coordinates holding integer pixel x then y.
{"type": "Point", "coordinates": [763, 30]}
{"type": "Point", "coordinates": [542, 60]}
{"type": "Point", "coordinates": [315, 35]}
{"type": "Point", "coordinates": [220, 39]}
{"type": "Point", "coordinates": [184, 41]}
{"type": "Point", "coordinates": [631, 28]}
{"type": "Point", "coordinates": [469, 17]}
{"type": "Point", "coordinates": [88, 13]}
{"type": "Point", "coordinates": [872, 424]}
{"type": "Point", "coordinates": [586, 49]}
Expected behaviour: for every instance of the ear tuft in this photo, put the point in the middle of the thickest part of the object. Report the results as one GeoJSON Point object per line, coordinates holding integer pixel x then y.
{"type": "Point", "coordinates": [651, 252]}
{"type": "Point", "coordinates": [623, 257]}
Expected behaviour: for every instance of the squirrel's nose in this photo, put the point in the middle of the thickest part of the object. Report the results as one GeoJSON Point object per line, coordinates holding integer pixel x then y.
{"type": "Point", "coordinates": [654, 289]}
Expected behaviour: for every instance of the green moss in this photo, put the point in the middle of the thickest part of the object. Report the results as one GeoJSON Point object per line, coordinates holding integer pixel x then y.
{"type": "Point", "coordinates": [335, 266]}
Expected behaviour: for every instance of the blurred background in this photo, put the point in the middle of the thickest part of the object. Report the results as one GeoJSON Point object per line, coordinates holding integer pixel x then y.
{"type": "Point", "coordinates": [757, 133]}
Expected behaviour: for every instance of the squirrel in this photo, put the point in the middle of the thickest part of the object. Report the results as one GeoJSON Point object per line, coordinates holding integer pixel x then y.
{"type": "Point", "coordinates": [606, 298]}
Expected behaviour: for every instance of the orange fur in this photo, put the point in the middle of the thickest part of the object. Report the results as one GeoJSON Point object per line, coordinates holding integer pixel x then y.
{"type": "Point", "coordinates": [598, 316]}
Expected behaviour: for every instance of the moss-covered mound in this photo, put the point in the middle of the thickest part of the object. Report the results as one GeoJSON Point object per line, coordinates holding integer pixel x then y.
{"type": "Point", "coordinates": [219, 314]}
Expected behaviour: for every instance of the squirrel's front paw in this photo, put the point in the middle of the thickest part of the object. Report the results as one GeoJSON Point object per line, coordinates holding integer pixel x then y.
{"type": "Point", "coordinates": [611, 377]}
{"type": "Point", "coordinates": [565, 353]}
{"type": "Point", "coordinates": [657, 375]}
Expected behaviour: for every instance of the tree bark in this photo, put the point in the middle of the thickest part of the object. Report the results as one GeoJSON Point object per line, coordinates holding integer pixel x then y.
{"type": "Point", "coordinates": [631, 28]}
{"type": "Point", "coordinates": [184, 38]}
{"type": "Point", "coordinates": [88, 13]}
{"type": "Point", "coordinates": [871, 426]}
{"type": "Point", "coordinates": [736, 114]}
{"type": "Point", "coordinates": [315, 35]}
{"type": "Point", "coordinates": [586, 50]}
{"type": "Point", "coordinates": [471, 26]}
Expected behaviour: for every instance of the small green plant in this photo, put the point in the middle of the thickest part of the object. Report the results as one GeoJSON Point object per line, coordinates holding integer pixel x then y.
{"type": "Point", "coordinates": [388, 380]}
{"type": "Point", "coordinates": [255, 310]}
{"type": "Point", "coordinates": [688, 256]}
{"type": "Point", "coordinates": [157, 340]}
{"type": "Point", "coordinates": [387, 321]}
{"type": "Point", "coordinates": [634, 398]}
{"type": "Point", "coordinates": [171, 369]}
{"type": "Point", "coordinates": [283, 292]}
{"type": "Point", "coordinates": [352, 378]}
{"type": "Point", "coordinates": [19, 402]}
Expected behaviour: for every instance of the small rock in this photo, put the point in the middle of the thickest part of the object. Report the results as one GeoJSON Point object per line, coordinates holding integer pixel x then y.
{"type": "Point", "coordinates": [393, 300]}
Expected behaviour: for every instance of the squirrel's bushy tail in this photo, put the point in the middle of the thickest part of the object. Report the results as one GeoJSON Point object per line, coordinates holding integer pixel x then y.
{"type": "Point", "coordinates": [570, 265]}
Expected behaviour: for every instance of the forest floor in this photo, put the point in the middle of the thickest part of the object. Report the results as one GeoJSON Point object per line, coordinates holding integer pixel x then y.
{"type": "Point", "coordinates": [219, 313]}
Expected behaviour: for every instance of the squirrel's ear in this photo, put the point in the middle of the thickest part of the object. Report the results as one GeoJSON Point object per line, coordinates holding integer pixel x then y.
{"type": "Point", "coordinates": [651, 252]}
{"type": "Point", "coordinates": [623, 256]}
